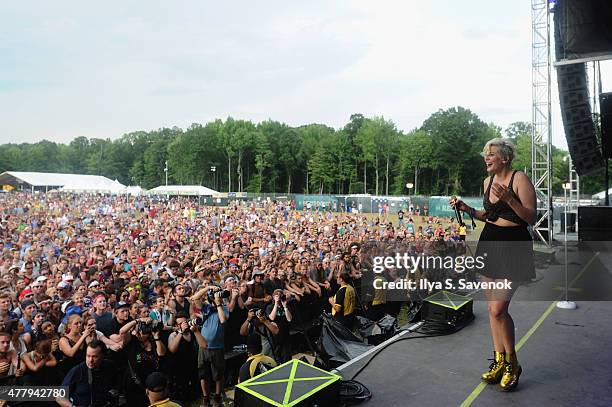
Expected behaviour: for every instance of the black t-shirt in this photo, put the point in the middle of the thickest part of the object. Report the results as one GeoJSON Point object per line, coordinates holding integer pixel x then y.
{"type": "Point", "coordinates": [272, 284]}
{"type": "Point", "coordinates": [184, 308]}
{"type": "Point", "coordinates": [400, 214]}
{"type": "Point", "coordinates": [280, 321]}
{"type": "Point", "coordinates": [111, 327]}
{"type": "Point", "coordinates": [103, 321]}
{"type": "Point", "coordinates": [143, 362]}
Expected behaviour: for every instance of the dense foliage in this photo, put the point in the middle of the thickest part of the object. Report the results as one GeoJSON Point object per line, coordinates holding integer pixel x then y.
{"type": "Point", "coordinates": [366, 155]}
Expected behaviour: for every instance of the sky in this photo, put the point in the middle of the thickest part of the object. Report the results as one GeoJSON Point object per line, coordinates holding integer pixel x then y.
{"type": "Point", "coordinates": [103, 69]}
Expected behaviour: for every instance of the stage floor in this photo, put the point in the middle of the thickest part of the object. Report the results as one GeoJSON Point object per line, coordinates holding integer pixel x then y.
{"type": "Point", "coordinates": [565, 356]}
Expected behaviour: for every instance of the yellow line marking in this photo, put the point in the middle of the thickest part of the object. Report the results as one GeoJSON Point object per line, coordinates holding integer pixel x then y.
{"type": "Point", "coordinates": [478, 389]}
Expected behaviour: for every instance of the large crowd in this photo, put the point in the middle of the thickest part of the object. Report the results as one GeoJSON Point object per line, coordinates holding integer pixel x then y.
{"type": "Point", "coordinates": [99, 293]}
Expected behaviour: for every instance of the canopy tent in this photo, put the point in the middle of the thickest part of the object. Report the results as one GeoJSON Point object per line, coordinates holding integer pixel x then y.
{"type": "Point", "coordinates": [192, 190]}
{"type": "Point", "coordinates": [134, 190]}
{"type": "Point", "coordinates": [602, 194]}
{"type": "Point", "coordinates": [44, 181]}
{"type": "Point", "coordinates": [109, 187]}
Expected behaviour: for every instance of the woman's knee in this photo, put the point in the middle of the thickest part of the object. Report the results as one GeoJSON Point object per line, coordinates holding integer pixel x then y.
{"type": "Point", "coordinates": [498, 310]}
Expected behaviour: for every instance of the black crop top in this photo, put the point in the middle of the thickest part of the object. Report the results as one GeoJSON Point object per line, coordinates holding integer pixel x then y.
{"type": "Point", "coordinates": [501, 209]}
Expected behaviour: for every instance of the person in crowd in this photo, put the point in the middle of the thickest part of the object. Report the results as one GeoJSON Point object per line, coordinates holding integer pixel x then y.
{"type": "Point", "coordinates": [344, 302]}
{"type": "Point", "coordinates": [178, 302]}
{"type": "Point", "coordinates": [256, 363]}
{"type": "Point", "coordinates": [40, 364]}
{"type": "Point", "coordinates": [258, 323]}
{"type": "Point", "coordinates": [279, 313]}
{"type": "Point", "coordinates": [184, 344]}
{"type": "Point", "coordinates": [157, 391]}
{"type": "Point", "coordinates": [144, 350]}
{"type": "Point", "coordinates": [73, 343]}
{"type": "Point", "coordinates": [211, 360]}
{"type": "Point", "coordinates": [91, 382]}
{"type": "Point", "coordinates": [10, 362]}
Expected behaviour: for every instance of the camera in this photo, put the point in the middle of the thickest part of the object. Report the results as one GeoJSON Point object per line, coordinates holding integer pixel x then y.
{"type": "Point", "coordinates": [260, 313]}
{"type": "Point", "coordinates": [149, 327]}
{"type": "Point", "coordinates": [195, 322]}
{"type": "Point", "coordinates": [211, 295]}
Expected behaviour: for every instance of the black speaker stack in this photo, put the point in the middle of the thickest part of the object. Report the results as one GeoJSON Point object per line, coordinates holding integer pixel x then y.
{"type": "Point", "coordinates": [577, 118]}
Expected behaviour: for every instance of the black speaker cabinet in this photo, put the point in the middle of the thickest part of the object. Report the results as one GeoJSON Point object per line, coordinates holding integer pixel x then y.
{"type": "Point", "coordinates": [594, 223]}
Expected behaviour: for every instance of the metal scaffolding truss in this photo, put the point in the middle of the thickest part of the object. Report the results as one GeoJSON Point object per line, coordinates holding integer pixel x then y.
{"type": "Point", "coordinates": [541, 137]}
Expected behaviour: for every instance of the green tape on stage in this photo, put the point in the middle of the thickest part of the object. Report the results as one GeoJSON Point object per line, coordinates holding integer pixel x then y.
{"type": "Point", "coordinates": [300, 381]}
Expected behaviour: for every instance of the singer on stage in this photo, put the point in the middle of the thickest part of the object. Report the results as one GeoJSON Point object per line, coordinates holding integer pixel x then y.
{"type": "Point", "coordinates": [509, 207]}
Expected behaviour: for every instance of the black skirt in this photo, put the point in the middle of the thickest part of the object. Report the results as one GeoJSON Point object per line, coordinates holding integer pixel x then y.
{"type": "Point", "coordinates": [507, 253]}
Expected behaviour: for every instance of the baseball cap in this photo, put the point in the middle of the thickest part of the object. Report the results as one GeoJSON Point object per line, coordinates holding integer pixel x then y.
{"type": "Point", "coordinates": [67, 277]}
{"type": "Point", "coordinates": [258, 273]}
{"type": "Point", "coordinates": [121, 304]}
{"type": "Point", "coordinates": [156, 382]}
{"type": "Point", "coordinates": [63, 284]}
{"type": "Point", "coordinates": [27, 303]}
{"type": "Point", "coordinates": [93, 284]}
{"type": "Point", "coordinates": [41, 279]}
{"type": "Point", "coordinates": [24, 293]}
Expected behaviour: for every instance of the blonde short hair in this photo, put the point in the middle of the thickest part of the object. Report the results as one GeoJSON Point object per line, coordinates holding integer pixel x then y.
{"type": "Point", "coordinates": [504, 146]}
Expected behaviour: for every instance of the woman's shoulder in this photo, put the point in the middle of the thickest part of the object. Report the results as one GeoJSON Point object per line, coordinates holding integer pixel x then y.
{"type": "Point", "coordinates": [521, 177]}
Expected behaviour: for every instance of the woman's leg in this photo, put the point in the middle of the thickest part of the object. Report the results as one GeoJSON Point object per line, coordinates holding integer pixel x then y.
{"type": "Point", "coordinates": [502, 325]}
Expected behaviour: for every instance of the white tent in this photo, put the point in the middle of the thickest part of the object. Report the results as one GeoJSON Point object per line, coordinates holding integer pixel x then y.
{"type": "Point", "coordinates": [105, 186]}
{"type": "Point", "coordinates": [193, 190]}
{"type": "Point", "coordinates": [44, 181]}
{"type": "Point", "coordinates": [602, 194]}
{"type": "Point", "coordinates": [134, 190]}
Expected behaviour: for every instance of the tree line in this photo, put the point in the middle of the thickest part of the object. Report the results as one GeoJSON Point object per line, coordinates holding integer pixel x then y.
{"type": "Point", "coordinates": [367, 155]}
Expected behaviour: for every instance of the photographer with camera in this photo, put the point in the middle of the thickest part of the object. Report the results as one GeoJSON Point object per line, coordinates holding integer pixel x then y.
{"type": "Point", "coordinates": [184, 344]}
{"type": "Point", "coordinates": [143, 356]}
{"type": "Point", "coordinates": [279, 313]}
{"type": "Point", "coordinates": [92, 382]}
{"type": "Point", "coordinates": [211, 360]}
{"type": "Point", "coordinates": [258, 323]}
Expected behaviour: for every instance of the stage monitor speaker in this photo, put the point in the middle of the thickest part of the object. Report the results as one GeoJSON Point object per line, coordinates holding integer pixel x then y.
{"type": "Point", "coordinates": [605, 105]}
{"type": "Point", "coordinates": [594, 223]}
{"type": "Point", "coordinates": [294, 383]}
{"type": "Point", "coordinates": [444, 306]}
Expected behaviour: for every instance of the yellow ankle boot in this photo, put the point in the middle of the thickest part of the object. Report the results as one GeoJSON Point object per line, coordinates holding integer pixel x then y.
{"type": "Point", "coordinates": [512, 372]}
{"type": "Point", "coordinates": [496, 369]}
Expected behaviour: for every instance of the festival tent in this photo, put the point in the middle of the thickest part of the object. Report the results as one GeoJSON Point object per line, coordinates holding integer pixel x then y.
{"type": "Point", "coordinates": [601, 195]}
{"type": "Point", "coordinates": [191, 190]}
{"type": "Point", "coordinates": [45, 181]}
{"type": "Point", "coordinates": [134, 190]}
{"type": "Point", "coordinates": [105, 187]}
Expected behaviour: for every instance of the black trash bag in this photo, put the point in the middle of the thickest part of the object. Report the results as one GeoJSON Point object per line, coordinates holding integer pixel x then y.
{"type": "Point", "coordinates": [338, 343]}
{"type": "Point", "coordinates": [379, 331]}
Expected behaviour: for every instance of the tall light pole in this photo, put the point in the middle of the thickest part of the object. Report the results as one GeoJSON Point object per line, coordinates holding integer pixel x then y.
{"type": "Point", "coordinates": [166, 171]}
{"type": "Point", "coordinates": [213, 169]}
{"type": "Point", "coordinates": [409, 185]}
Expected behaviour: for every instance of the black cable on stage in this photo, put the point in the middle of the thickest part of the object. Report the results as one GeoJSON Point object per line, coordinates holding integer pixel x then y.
{"type": "Point", "coordinates": [352, 390]}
